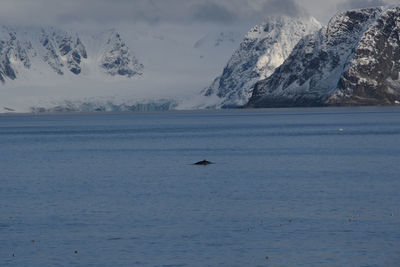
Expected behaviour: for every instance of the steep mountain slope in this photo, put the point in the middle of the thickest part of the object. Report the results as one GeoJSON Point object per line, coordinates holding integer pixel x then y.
{"type": "Point", "coordinates": [54, 52]}
{"type": "Point", "coordinates": [110, 76]}
{"type": "Point", "coordinates": [263, 49]}
{"type": "Point", "coordinates": [62, 51]}
{"type": "Point", "coordinates": [117, 60]}
{"type": "Point", "coordinates": [13, 54]}
{"type": "Point", "coordinates": [352, 61]}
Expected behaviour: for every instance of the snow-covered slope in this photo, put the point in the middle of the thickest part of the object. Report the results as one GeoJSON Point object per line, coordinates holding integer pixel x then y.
{"type": "Point", "coordinates": [52, 52]}
{"type": "Point", "coordinates": [117, 60]}
{"type": "Point", "coordinates": [354, 60]}
{"type": "Point", "coordinates": [52, 69]}
{"type": "Point", "coordinates": [263, 49]}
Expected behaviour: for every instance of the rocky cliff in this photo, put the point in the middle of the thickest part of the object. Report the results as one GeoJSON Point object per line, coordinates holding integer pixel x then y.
{"type": "Point", "coordinates": [354, 60]}
{"type": "Point", "coordinates": [53, 51]}
{"type": "Point", "coordinates": [264, 48]}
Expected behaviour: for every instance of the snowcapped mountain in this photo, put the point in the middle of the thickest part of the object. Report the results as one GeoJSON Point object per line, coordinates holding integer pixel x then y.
{"type": "Point", "coordinates": [264, 48]}
{"type": "Point", "coordinates": [117, 60]}
{"type": "Point", "coordinates": [354, 60]}
{"type": "Point", "coordinates": [47, 69]}
{"type": "Point", "coordinates": [53, 52]}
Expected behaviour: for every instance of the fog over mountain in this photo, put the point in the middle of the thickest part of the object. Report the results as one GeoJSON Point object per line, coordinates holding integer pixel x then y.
{"type": "Point", "coordinates": [354, 60]}
{"type": "Point", "coordinates": [182, 44]}
{"type": "Point", "coordinates": [167, 11]}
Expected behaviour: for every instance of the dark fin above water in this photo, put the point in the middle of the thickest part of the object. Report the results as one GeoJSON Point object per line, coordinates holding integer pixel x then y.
{"type": "Point", "coordinates": [203, 162]}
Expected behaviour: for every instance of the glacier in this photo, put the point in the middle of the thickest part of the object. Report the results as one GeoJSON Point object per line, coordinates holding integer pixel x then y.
{"type": "Point", "coordinates": [282, 62]}
{"type": "Point", "coordinates": [125, 68]}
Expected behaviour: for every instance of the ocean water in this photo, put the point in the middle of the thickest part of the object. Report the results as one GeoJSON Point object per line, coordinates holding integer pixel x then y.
{"type": "Point", "coordinates": [289, 187]}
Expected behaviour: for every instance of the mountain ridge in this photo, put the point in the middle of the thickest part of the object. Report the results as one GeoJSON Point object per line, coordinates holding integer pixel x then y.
{"type": "Point", "coordinates": [264, 48]}
{"type": "Point", "coordinates": [51, 50]}
{"type": "Point", "coordinates": [354, 60]}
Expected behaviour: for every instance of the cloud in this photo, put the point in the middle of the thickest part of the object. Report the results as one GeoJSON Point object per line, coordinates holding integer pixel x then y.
{"type": "Point", "coordinates": [183, 12]}
{"type": "Point", "coordinates": [227, 11]}
{"type": "Point", "coordinates": [286, 7]}
{"type": "Point", "coordinates": [211, 11]}
{"type": "Point", "coordinates": [145, 11]}
{"type": "Point", "coordinates": [355, 4]}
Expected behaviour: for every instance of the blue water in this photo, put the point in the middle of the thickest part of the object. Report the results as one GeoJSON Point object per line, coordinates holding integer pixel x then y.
{"type": "Point", "coordinates": [289, 187]}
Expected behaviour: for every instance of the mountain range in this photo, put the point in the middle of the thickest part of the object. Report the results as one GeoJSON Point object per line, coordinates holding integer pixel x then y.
{"type": "Point", "coordinates": [52, 69]}
{"type": "Point", "coordinates": [264, 48]}
{"type": "Point", "coordinates": [354, 60]}
{"type": "Point", "coordinates": [282, 62]}
{"type": "Point", "coordinates": [53, 51]}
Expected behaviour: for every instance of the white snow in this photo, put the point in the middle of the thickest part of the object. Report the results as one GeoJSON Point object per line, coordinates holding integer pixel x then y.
{"type": "Point", "coordinates": [264, 48]}
{"type": "Point", "coordinates": [173, 67]}
{"type": "Point", "coordinates": [324, 57]}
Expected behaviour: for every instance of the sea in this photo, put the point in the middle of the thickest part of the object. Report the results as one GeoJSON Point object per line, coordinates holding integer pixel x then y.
{"type": "Point", "coordinates": [287, 187]}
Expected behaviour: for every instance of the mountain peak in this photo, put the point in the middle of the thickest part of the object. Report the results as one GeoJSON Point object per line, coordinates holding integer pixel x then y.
{"type": "Point", "coordinates": [117, 59]}
{"type": "Point", "coordinates": [264, 48]}
{"type": "Point", "coordinates": [46, 50]}
{"type": "Point", "coordinates": [354, 60]}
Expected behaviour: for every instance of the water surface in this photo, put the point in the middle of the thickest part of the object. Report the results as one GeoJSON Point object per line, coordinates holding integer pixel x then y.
{"type": "Point", "coordinates": [289, 187]}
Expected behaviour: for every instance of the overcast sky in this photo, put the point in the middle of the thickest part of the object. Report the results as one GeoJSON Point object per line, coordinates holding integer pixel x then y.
{"type": "Point", "coordinates": [156, 12]}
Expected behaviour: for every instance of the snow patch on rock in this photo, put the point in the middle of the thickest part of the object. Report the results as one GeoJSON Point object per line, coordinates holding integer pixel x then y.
{"type": "Point", "coordinates": [354, 60]}
{"type": "Point", "coordinates": [264, 48]}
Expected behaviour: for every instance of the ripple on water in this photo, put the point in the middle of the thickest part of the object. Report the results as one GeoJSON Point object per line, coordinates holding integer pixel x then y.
{"type": "Point", "coordinates": [114, 238]}
{"type": "Point", "coordinates": [4, 225]}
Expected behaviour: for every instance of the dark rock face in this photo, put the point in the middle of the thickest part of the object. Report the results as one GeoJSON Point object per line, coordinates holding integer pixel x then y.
{"type": "Point", "coordinates": [59, 44]}
{"type": "Point", "coordinates": [62, 51]}
{"type": "Point", "coordinates": [74, 50]}
{"type": "Point", "coordinates": [51, 56]}
{"type": "Point", "coordinates": [15, 50]}
{"type": "Point", "coordinates": [117, 59]}
{"type": "Point", "coordinates": [352, 61]}
{"type": "Point", "coordinates": [373, 74]}
{"type": "Point", "coordinates": [263, 49]}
